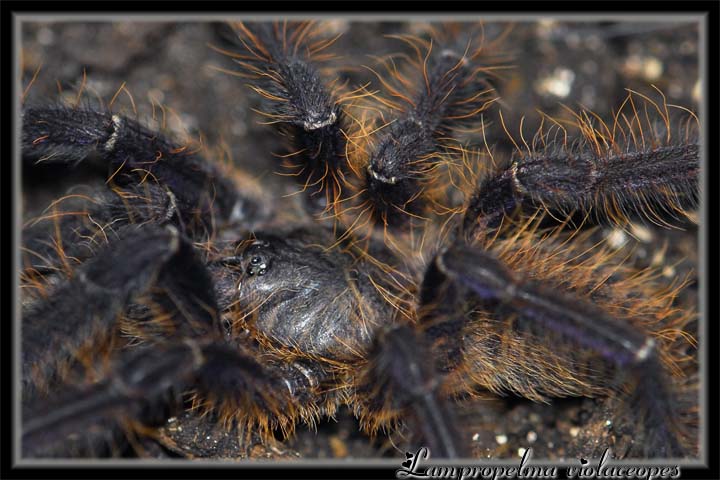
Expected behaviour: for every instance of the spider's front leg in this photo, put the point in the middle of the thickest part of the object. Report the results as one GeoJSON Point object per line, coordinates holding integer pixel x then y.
{"type": "Point", "coordinates": [401, 177]}
{"type": "Point", "coordinates": [280, 60]}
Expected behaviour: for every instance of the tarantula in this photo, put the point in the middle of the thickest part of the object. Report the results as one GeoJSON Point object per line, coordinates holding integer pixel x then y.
{"type": "Point", "coordinates": [415, 270]}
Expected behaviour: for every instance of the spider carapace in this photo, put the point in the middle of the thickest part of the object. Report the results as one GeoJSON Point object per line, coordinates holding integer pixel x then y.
{"type": "Point", "coordinates": [415, 272]}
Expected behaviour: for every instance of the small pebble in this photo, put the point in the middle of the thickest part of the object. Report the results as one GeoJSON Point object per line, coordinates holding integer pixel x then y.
{"type": "Point", "coordinates": [521, 451]}
{"type": "Point", "coordinates": [574, 431]}
{"type": "Point", "coordinates": [338, 447]}
{"type": "Point", "coordinates": [531, 436]}
{"type": "Point", "coordinates": [652, 68]}
{"type": "Point", "coordinates": [648, 68]}
{"type": "Point", "coordinates": [658, 258]}
{"type": "Point", "coordinates": [641, 232]}
{"type": "Point", "coordinates": [476, 437]}
{"type": "Point", "coordinates": [558, 84]}
{"type": "Point", "coordinates": [617, 238]}
{"type": "Point", "coordinates": [501, 439]}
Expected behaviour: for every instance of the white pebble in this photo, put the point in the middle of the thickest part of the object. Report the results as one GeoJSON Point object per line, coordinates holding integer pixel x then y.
{"type": "Point", "coordinates": [558, 84]}
{"type": "Point", "coordinates": [652, 68]}
{"type": "Point", "coordinates": [641, 232]}
{"type": "Point", "coordinates": [617, 238]}
{"type": "Point", "coordinates": [501, 439]}
{"type": "Point", "coordinates": [531, 436]}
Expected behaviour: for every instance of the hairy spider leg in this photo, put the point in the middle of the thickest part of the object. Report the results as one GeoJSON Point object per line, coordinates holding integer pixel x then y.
{"type": "Point", "coordinates": [403, 377]}
{"type": "Point", "coordinates": [105, 284]}
{"type": "Point", "coordinates": [632, 167]}
{"type": "Point", "coordinates": [279, 61]}
{"type": "Point", "coordinates": [453, 90]}
{"type": "Point", "coordinates": [72, 228]}
{"type": "Point", "coordinates": [565, 183]}
{"type": "Point", "coordinates": [190, 190]}
{"type": "Point", "coordinates": [142, 382]}
{"type": "Point", "coordinates": [630, 351]}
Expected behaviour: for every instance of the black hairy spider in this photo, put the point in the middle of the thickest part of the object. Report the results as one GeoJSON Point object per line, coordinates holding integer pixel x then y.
{"type": "Point", "coordinates": [432, 254]}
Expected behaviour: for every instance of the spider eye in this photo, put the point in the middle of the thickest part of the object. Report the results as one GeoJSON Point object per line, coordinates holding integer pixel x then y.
{"type": "Point", "coordinates": [257, 258]}
{"type": "Point", "coordinates": [258, 266]}
{"type": "Point", "coordinates": [227, 326]}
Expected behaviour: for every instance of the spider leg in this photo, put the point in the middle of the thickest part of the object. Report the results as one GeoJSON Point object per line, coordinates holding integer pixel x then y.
{"type": "Point", "coordinates": [105, 285]}
{"type": "Point", "coordinates": [153, 182]}
{"type": "Point", "coordinates": [75, 227]}
{"type": "Point", "coordinates": [657, 183]}
{"type": "Point", "coordinates": [403, 377]}
{"type": "Point", "coordinates": [412, 362]}
{"type": "Point", "coordinates": [143, 376]}
{"type": "Point", "coordinates": [539, 309]}
{"type": "Point", "coordinates": [138, 383]}
{"type": "Point", "coordinates": [279, 59]}
{"type": "Point", "coordinates": [411, 150]}
{"type": "Point", "coordinates": [134, 155]}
